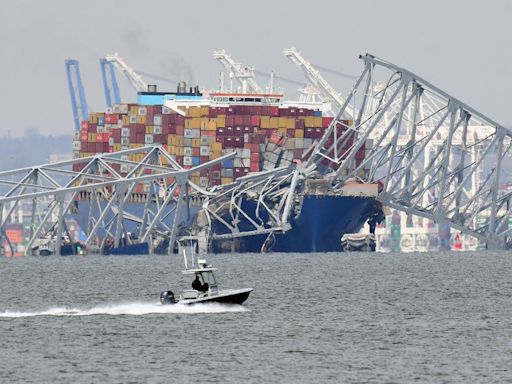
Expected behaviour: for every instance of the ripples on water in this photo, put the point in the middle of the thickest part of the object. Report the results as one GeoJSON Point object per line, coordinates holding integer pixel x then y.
{"type": "Point", "coordinates": [323, 318]}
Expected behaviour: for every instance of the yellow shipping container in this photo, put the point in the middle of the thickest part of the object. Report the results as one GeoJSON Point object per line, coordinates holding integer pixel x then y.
{"type": "Point", "coordinates": [283, 122]}
{"type": "Point", "coordinates": [318, 121]}
{"type": "Point", "coordinates": [117, 147]}
{"type": "Point", "coordinates": [265, 122]}
{"type": "Point", "coordinates": [195, 111]}
{"type": "Point", "coordinates": [179, 151]}
{"type": "Point", "coordinates": [309, 121]}
{"type": "Point", "coordinates": [212, 125]}
{"type": "Point", "coordinates": [149, 129]}
{"type": "Point", "coordinates": [180, 141]}
{"type": "Point", "coordinates": [274, 122]}
{"type": "Point", "coordinates": [299, 133]}
{"type": "Point", "coordinates": [193, 123]}
{"type": "Point", "coordinates": [126, 120]}
{"type": "Point", "coordinates": [221, 121]}
{"type": "Point", "coordinates": [216, 146]}
{"type": "Point", "coordinates": [134, 110]}
{"type": "Point", "coordinates": [291, 123]}
{"type": "Point", "coordinates": [171, 140]}
{"type": "Point", "coordinates": [91, 137]}
{"type": "Point", "coordinates": [196, 143]}
{"type": "Point", "coordinates": [226, 180]}
{"type": "Point", "coordinates": [141, 119]}
{"type": "Point", "coordinates": [283, 131]}
{"type": "Point", "coordinates": [172, 150]}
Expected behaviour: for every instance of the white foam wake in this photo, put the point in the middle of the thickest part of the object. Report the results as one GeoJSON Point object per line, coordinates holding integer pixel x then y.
{"type": "Point", "coordinates": [134, 309]}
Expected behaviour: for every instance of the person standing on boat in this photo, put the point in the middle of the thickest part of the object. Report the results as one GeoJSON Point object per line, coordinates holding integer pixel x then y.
{"type": "Point", "coordinates": [196, 284]}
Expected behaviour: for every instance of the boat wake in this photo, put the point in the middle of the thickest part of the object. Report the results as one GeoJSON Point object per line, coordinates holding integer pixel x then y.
{"type": "Point", "coordinates": [133, 309]}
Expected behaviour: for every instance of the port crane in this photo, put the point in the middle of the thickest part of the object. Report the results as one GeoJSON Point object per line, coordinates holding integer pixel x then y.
{"type": "Point", "coordinates": [76, 92]}
{"type": "Point", "coordinates": [324, 90]}
{"type": "Point", "coordinates": [244, 74]}
{"type": "Point", "coordinates": [133, 77]}
{"type": "Point", "coordinates": [110, 86]}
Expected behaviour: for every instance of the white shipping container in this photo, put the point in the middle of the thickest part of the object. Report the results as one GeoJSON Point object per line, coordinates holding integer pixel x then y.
{"type": "Point", "coordinates": [196, 133]}
{"type": "Point", "coordinates": [157, 130]}
{"type": "Point", "coordinates": [187, 142]}
{"type": "Point", "coordinates": [133, 119]}
{"type": "Point", "coordinates": [187, 133]}
{"type": "Point", "coordinates": [166, 110]}
{"type": "Point", "coordinates": [157, 120]}
{"type": "Point", "coordinates": [123, 108]}
{"type": "Point", "coordinates": [111, 141]}
{"type": "Point", "coordinates": [187, 151]}
{"type": "Point", "coordinates": [143, 111]}
{"type": "Point", "coordinates": [187, 160]}
{"type": "Point", "coordinates": [125, 132]}
{"type": "Point", "coordinates": [100, 129]}
{"type": "Point", "coordinates": [76, 135]}
{"type": "Point", "coordinates": [124, 168]}
{"type": "Point", "coordinates": [204, 150]}
{"type": "Point", "coordinates": [76, 145]}
{"type": "Point", "coordinates": [203, 181]}
{"type": "Point", "coordinates": [205, 140]}
{"type": "Point", "coordinates": [116, 108]}
{"type": "Point", "coordinates": [125, 141]}
{"type": "Point", "coordinates": [148, 138]}
{"type": "Point", "coordinates": [124, 147]}
{"type": "Point", "coordinates": [124, 157]}
{"type": "Point", "coordinates": [246, 153]}
{"type": "Point", "coordinates": [108, 110]}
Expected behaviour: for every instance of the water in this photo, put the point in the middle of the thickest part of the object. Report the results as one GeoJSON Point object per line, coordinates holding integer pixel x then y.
{"type": "Point", "coordinates": [381, 318]}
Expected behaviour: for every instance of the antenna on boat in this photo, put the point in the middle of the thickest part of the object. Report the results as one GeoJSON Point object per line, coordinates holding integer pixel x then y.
{"type": "Point", "coordinates": [185, 258]}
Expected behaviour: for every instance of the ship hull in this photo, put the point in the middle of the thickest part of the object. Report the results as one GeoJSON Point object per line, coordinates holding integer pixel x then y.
{"type": "Point", "coordinates": [318, 227]}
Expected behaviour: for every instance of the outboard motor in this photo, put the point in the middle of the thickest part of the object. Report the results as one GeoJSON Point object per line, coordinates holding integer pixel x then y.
{"type": "Point", "coordinates": [167, 297]}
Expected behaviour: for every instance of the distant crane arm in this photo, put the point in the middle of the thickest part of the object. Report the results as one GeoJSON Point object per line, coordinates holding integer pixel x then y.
{"type": "Point", "coordinates": [244, 74]}
{"type": "Point", "coordinates": [133, 78]}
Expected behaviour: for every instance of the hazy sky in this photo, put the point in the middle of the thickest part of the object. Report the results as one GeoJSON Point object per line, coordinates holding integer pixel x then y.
{"type": "Point", "coordinates": [464, 47]}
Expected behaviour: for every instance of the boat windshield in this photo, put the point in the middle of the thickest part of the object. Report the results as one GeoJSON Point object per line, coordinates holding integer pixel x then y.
{"type": "Point", "coordinates": [208, 277]}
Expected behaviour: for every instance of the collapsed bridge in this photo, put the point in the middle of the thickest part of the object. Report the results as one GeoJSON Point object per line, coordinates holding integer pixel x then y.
{"type": "Point", "coordinates": [426, 148]}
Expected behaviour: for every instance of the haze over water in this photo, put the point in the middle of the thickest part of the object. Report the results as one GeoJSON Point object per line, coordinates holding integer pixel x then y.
{"type": "Point", "coordinates": [311, 318]}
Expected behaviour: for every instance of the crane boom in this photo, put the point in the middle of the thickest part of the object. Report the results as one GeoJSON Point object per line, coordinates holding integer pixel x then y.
{"type": "Point", "coordinates": [76, 92]}
{"type": "Point", "coordinates": [327, 92]}
{"type": "Point", "coordinates": [110, 86]}
{"type": "Point", "coordinates": [244, 74]}
{"type": "Point", "coordinates": [133, 78]}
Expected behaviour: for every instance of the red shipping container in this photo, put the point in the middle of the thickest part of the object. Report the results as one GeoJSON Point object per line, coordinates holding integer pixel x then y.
{"type": "Point", "coordinates": [195, 152]}
{"type": "Point", "coordinates": [273, 111]}
{"type": "Point", "coordinates": [141, 139]}
{"type": "Point", "coordinates": [92, 128]}
{"type": "Point", "coordinates": [326, 121]}
{"type": "Point", "coordinates": [230, 120]}
{"type": "Point", "coordinates": [180, 120]}
{"type": "Point", "coordinates": [290, 132]}
{"type": "Point", "coordinates": [238, 131]}
{"type": "Point", "coordinates": [204, 159]}
{"type": "Point", "coordinates": [255, 166]}
{"type": "Point", "coordinates": [255, 120]}
{"type": "Point", "coordinates": [238, 120]}
{"type": "Point", "coordinates": [255, 157]}
{"type": "Point", "coordinates": [172, 129]}
{"type": "Point", "coordinates": [84, 124]}
{"type": "Point", "coordinates": [180, 130]}
{"type": "Point", "coordinates": [246, 120]}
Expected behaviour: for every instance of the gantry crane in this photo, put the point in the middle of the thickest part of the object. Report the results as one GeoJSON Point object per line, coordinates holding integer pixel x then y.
{"type": "Point", "coordinates": [110, 86]}
{"type": "Point", "coordinates": [133, 78]}
{"type": "Point", "coordinates": [326, 92]}
{"type": "Point", "coordinates": [76, 92]}
{"type": "Point", "coordinates": [244, 74]}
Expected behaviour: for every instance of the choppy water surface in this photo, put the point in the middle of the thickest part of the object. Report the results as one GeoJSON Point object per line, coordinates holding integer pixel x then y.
{"type": "Point", "coordinates": [440, 318]}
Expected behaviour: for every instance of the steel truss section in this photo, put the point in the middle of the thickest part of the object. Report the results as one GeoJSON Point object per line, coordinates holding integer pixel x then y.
{"type": "Point", "coordinates": [52, 192]}
{"type": "Point", "coordinates": [271, 195]}
{"type": "Point", "coordinates": [425, 147]}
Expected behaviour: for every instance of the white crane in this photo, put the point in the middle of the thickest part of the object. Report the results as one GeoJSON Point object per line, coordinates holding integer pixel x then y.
{"type": "Point", "coordinates": [134, 79]}
{"type": "Point", "coordinates": [326, 92]}
{"type": "Point", "coordinates": [244, 74]}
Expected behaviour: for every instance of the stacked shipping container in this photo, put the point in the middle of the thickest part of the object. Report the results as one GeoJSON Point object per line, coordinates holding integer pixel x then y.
{"type": "Point", "coordinates": [263, 137]}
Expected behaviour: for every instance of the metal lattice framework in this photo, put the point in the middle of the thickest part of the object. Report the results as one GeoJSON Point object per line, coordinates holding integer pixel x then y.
{"type": "Point", "coordinates": [432, 181]}
{"type": "Point", "coordinates": [272, 195]}
{"type": "Point", "coordinates": [52, 190]}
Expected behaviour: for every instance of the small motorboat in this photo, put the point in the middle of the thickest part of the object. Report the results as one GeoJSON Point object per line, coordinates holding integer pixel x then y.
{"type": "Point", "coordinates": [207, 289]}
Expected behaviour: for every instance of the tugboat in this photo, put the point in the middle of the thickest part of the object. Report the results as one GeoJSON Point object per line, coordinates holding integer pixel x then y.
{"type": "Point", "coordinates": [205, 288]}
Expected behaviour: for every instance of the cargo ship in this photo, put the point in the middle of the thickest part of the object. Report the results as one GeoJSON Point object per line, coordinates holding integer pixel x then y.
{"type": "Point", "coordinates": [263, 129]}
